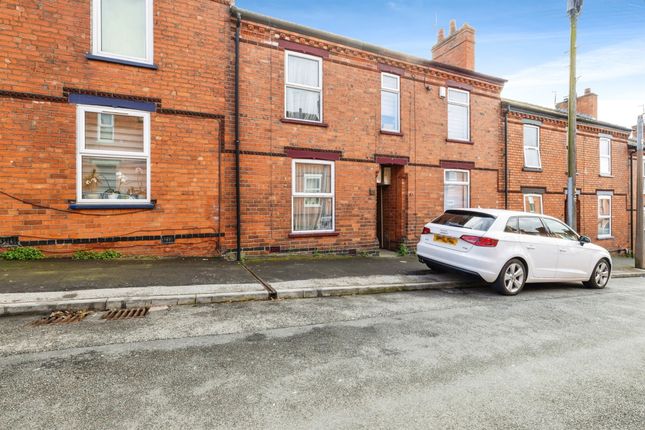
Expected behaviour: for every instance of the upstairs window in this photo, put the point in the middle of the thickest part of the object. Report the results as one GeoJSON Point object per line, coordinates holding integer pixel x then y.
{"type": "Point", "coordinates": [532, 147]}
{"type": "Point", "coordinates": [605, 156]}
{"type": "Point", "coordinates": [303, 87]}
{"type": "Point", "coordinates": [113, 160]}
{"type": "Point", "coordinates": [390, 102]}
{"type": "Point", "coordinates": [456, 189]}
{"type": "Point", "coordinates": [458, 114]}
{"type": "Point", "coordinates": [122, 29]}
{"type": "Point", "coordinates": [312, 196]}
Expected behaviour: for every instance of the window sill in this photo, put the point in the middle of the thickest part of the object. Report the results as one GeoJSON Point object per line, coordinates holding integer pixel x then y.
{"type": "Point", "coordinates": [391, 133]}
{"type": "Point", "coordinates": [532, 169]}
{"type": "Point", "coordinates": [122, 62]}
{"type": "Point", "coordinates": [321, 234]}
{"type": "Point", "coordinates": [105, 206]}
{"type": "Point", "coordinates": [301, 122]}
{"type": "Point", "coordinates": [463, 142]}
{"type": "Point", "coordinates": [606, 176]}
{"type": "Point", "coordinates": [605, 238]}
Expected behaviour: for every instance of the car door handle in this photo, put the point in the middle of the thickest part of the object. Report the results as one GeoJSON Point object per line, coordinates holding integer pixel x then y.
{"type": "Point", "coordinates": [530, 247]}
{"type": "Point", "coordinates": [563, 250]}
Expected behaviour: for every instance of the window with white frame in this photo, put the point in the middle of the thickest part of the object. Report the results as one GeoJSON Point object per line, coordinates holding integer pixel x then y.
{"type": "Point", "coordinates": [114, 170]}
{"type": "Point", "coordinates": [604, 216]}
{"type": "Point", "coordinates": [605, 156]}
{"type": "Point", "coordinates": [456, 189]}
{"type": "Point", "coordinates": [533, 203]}
{"type": "Point", "coordinates": [303, 87]}
{"type": "Point", "coordinates": [122, 29]}
{"type": "Point", "coordinates": [390, 102]}
{"type": "Point", "coordinates": [532, 147]}
{"type": "Point", "coordinates": [312, 196]}
{"type": "Point", "coordinates": [458, 114]}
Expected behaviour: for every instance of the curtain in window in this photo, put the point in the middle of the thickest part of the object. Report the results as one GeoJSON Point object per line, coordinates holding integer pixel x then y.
{"type": "Point", "coordinates": [303, 104]}
{"type": "Point", "coordinates": [389, 111]}
{"type": "Point", "coordinates": [123, 27]}
{"type": "Point", "coordinates": [458, 122]}
{"type": "Point", "coordinates": [314, 210]}
{"type": "Point", "coordinates": [303, 71]}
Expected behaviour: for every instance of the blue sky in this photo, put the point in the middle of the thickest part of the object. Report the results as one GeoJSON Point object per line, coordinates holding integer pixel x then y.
{"type": "Point", "coordinates": [523, 41]}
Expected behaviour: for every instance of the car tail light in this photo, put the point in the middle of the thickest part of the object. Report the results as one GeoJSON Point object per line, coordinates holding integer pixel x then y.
{"type": "Point", "coordinates": [426, 230]}
{"type": "Point", "coordinates": [486, 242]}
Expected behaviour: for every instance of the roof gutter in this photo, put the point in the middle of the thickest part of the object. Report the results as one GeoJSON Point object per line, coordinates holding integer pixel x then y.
{"type": "Point", "coordinates": [248, 15]}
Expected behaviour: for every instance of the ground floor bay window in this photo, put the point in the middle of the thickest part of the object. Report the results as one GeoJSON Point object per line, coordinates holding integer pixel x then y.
{"type": "Point", "coordinates": [312, 196]}
{"type": "Point", "coordinates": [456, 189]}
{"type": "Point", "coordinates": [113, 159]}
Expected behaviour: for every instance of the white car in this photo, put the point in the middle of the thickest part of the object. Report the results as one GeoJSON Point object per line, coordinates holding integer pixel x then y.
{"type": "Point", "coordinates": [509, 249]}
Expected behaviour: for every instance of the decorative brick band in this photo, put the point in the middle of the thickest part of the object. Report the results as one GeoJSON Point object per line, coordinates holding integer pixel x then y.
{"type": "Point", "coordinates": [312, 154]}
{"type": "Point", "coordinates": [303, 49]}
{"type": "Point", "coordinates": [460, 85]}
{"type": "Point", "coordinates": [32, 96]}
{"type": "Point", "coordinates": [167, 111]}
{"type": "Point", "coordinates": [451, 164]}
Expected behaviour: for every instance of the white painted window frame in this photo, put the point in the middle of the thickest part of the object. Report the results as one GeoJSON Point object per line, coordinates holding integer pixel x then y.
{"type": "Point", "coordinates": [81, 151]}
{"type": "Point", "coordinates": [602, 156]}
{"type": "Point", "coordinates": [396, 92]}
{"type": "Point", "coordinates": [467, 105]}
{"type": "Point", "coordinates": [287, 84]}
{"type": "Point", "coordinates": [601, 217]}
{"type": "Point", "coordinates": [531, 148]}
{"type": "Point", "coordinates": [96, 35]}
{"type": "Point", "coordinates": [525, 196]}
{"type": "Point", "coordinates": [447, 182]}
{"type": "Point", "coordinates": [295, 194]}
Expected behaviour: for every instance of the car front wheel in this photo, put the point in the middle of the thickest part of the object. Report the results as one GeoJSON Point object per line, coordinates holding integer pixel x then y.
{"type": "Point", "coordinates": [599, 276]}
{"type": "Point", "coordinates": [511, 279]}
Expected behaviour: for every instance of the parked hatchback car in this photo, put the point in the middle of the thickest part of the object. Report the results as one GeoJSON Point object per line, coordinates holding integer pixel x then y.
{"type": "Point", "coordinates": [509, 249]}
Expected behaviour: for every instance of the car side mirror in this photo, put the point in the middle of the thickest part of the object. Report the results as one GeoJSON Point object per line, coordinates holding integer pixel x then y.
{"type": "Point", "coordinates": [583, 240]}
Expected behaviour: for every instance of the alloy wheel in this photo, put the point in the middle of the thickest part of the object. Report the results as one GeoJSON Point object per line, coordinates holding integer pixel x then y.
{"type": "Point", "coordinates": [602, 274]}
{"type": "Point", "coordinates": [514, 277]}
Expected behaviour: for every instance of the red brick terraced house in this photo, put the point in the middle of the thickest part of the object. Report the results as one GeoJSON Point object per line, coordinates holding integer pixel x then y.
{"type": "Point", "coordinates": [112, 119]}
{"type": "Point", "coordinates": [119, 130]}
{"type": "Point", "coordinates": [536, 178]}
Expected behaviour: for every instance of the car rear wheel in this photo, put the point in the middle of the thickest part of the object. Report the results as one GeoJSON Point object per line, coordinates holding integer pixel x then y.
{"type": "Point", "coordinates": [511, 279]}
{"type": "Point", "coordinates": [599, 276]}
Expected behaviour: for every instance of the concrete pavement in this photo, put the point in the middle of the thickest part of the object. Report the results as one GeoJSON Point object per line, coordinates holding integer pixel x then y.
{"type": "Point", "coordinates": [557, 356]}
{"type": "Point", "coordinates": [45, 286]}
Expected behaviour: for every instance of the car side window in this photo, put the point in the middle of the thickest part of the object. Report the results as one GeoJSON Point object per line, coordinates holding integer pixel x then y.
{"type": "Point", "coordinates": [512, 225]}
{"type": "Point", "coordinates": [532, 226]}
{"type": "Point", "coordinates": [560, 230]}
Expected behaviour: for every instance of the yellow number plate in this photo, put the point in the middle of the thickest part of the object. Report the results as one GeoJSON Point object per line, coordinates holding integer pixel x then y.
{"type": "Point", "coordinates": [446, 239]}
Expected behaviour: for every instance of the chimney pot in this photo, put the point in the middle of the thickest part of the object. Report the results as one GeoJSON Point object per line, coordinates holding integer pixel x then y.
{"type": "Point", "coordinates": [453, 26]}
{"type": "Point", "coordinates": [587, 90]}
{"type": "Point", "coordinates": [441, 36]}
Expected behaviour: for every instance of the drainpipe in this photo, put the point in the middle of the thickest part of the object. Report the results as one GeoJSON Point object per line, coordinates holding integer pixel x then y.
{"type": "Point", "coordinates": [631, 202]}
{"type": "Point", "coordinates": [238, 225]}
{"type": "Point", "coordinates": [506, 157]}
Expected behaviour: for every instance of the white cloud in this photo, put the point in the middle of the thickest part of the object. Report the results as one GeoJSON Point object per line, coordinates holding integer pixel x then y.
{"type": "Point", "coordinates": [616, 73]}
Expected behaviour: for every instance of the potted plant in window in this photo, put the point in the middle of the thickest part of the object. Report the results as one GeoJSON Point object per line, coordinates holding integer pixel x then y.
{"type": "Point", "coordinates": [90, 183]}
{"type": "Point", "coordinates": [111, 193]}
{"type": "Point", "coordinates": [138, 192]}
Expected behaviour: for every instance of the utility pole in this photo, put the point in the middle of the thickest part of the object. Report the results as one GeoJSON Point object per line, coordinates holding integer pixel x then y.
{"type": "Point", "coordinates": [573, 8]}
{"type": "Point", "coordinates": [639, 248]}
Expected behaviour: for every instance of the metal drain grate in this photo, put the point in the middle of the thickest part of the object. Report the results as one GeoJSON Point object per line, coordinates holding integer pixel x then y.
{"type": "Point", "coordinates": [122, 314]}
{"type": "Point", "coordinates": [62, 317]}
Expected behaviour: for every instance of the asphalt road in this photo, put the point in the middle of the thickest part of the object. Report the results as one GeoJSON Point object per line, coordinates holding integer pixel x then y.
{"type": "Point", "coordinates": [553, 357]}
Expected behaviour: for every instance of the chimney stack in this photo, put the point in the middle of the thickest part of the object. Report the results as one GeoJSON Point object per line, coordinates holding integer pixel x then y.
{"type": "Point", "coordinates": [458, 49]}
{"type": "Point", "coordinates": [586, 104]}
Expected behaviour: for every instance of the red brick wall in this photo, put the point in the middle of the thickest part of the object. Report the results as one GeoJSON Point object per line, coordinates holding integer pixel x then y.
{"type": "Point", "coordinates": [351, 93]}
{"type": "Point", "coordinates": [553, 177]}
{"type": "Point", "coordinates": [43, 47]}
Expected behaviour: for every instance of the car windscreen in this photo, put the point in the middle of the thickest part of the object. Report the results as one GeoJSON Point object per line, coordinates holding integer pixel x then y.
{"type": "Point", "coordinates": [466, 219]}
